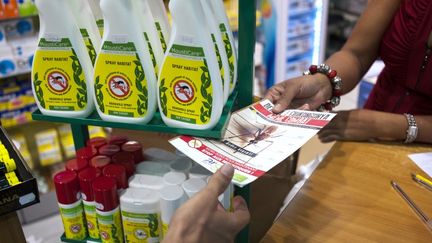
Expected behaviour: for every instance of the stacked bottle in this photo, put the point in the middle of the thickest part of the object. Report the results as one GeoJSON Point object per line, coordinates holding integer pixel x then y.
{"type": "Point", "coordinates": [98, 201]}
{"type": "Point", "coordinates": [8, 177]}
{"type": "Point", "coordinates": [139, 64]}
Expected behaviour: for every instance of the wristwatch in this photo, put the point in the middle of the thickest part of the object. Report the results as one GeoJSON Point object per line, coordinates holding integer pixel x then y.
{"type": "Point", "coordinates": [412, 130]}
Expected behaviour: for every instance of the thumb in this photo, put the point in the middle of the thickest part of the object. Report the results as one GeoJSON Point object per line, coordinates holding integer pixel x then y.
{"type": "Point", "coordinates": [287, 96]}
{"type": "Point", "coordinates": [240, 216]}
{"type": "Point", "coordinates": [220, 180]}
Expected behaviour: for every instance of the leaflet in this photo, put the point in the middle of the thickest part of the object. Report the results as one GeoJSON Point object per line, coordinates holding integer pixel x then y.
{"type": "Point", "coordinates": [255, 141]}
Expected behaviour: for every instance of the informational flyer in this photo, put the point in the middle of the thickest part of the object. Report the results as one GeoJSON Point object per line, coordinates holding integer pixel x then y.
{"type": "Point", "coordinates": [255, 141]}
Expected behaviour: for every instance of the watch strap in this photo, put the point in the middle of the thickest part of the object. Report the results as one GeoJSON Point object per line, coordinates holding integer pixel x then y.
{"type": "Point", "coordinates": [412, 130]}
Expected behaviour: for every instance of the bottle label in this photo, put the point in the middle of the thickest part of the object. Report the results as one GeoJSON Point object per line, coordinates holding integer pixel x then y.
{"type": "Point", "coordinates": [219, 60]}
{"type": "Point", "coordinates": [229, 52]}
{"type": "Point", "coordinates": [185, 88]}
{"type": "Point", "coordinates": [73, 222]}
{"type": "Point", "coordinates": [110, 227]}
{"type": "Point", "coordinates": [89, 44]}
{"type": "Point", "coordinates": [152, 55]}
{"type": "Point", "coordinates": [12, 179]}
{"type": "Point", "coordinates": [140, 227]}
{"type": "Point", "coordinates": [10, 164]}
{"type": "Point", "coordinates": [100, 25]}
{"type": "Point", "coordinates": [161, 36]}
{"type": "Point", "coordinates": [120, 82]}
{"type": "Point", "coordinates": [92, 225]}
{"type": "Point", "coordinates": [59, 82]}
{"type": "Point", "coordinates": [164, 228]}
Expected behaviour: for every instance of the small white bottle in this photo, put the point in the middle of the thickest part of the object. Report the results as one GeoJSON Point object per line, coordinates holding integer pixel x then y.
{"type": "Point", "coordinates": [193, 186]}
{"type": "Point", "coordinates": [62, 69]}
{"type": "Point", "coordinates": [182, 165]}
{"type": "Point", "coordinates": [140, 212]}
{"type": "Point", "coordinates": [146, 181]}
{"type": "Point", "coordinates": [190, 92]}
{"type": "Point", "coordinates": [97, 13]}
{"type": "Point", "coordinates": [174, 178]}
{"type": "Point", "coordinates": [171, 198]}
{"type": "Point", "coordinates": [226, 197]}
{"type": "Point", "coordinates": [88, 28]}
{"type": "Point", "coordinates": [199, 171]}
{"type": "Point", "coordinates": [157, 8]}
{"type": "Point", "coordinates": [227, 37]}
{"type": "Point", "coordinates": [124, 78]}
{"type": "Point", "coordinates": [159, 155]}
{"type": "Point", "coordinates": [152, 168]}
{"type": "Point", "coordinates": [219, 47]}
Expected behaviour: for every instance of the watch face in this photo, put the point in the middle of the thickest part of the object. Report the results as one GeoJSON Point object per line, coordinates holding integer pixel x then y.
{"type": "Point", "coordinates": [412, 131]}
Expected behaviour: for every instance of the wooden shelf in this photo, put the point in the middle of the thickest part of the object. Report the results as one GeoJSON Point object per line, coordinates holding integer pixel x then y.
{"type": "Point", "coordinates": [155, 125]}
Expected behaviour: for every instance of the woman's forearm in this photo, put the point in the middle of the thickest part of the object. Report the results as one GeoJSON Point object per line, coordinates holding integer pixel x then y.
{"type": "Point", "coordinates": [389, 126]}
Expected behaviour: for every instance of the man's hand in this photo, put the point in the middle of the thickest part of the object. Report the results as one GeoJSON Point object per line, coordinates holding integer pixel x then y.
{"type": "Point", "coordinates": [203, 219]}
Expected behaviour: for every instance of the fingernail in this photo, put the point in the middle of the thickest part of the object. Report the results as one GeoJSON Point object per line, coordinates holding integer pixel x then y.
{"type": "Point", "coordinates": [239, 203]}
{"type": "Point", "coordinates": [278, 107]}
{"type": "Point", "coordinates": [227, 170]}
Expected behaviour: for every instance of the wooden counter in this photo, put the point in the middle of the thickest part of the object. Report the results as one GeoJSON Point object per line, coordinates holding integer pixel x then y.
{"type": "Point", "coordinates": [349, 198]}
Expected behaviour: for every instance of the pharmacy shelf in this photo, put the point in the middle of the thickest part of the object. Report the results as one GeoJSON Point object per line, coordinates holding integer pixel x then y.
{"type": "Point", "coordinates": [14, 74]}
{"type": "Point", "coordinates": [155, 125]}
{"type": "Point", "coordinates": [246, 39]}
{"type": "Point", "coordinates": [18, 17]}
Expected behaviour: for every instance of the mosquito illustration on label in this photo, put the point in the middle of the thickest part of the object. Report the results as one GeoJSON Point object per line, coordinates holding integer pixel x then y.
{"type": "Point", "coordinates": [57, 81]}
{"type": "Point", "coordinates": [119, 86]}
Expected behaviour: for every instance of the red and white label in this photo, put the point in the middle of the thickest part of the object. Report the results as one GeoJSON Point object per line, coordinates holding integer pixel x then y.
{"type": "Point", "coordinates": [119, 86]}
{"type": "Point", "coordinates": [57, 81]}
{"type": "Point", "coordinates": [183, 91]}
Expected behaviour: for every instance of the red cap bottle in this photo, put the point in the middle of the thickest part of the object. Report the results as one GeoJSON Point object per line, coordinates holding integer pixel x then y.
{"type": "Point", "coordinates": [135, 148]}
{"type": "Point", "coordinates": [76, 165]}
{"type": "Point", "coordinates": [100, 161]}
{"type": "Point", "coordinates": [118, 140]}
{"type": "Point", "coordinates": [96, 142]}
{"type": "Point", "coordinates": [67, 187]}
{"type": "Point", "coordinates": [105, 194]}
{"type": "Point", "coordinates": [117, 172]}
{"type": "Point", "coordinates": [109, 150]}
{"type": "Point", "coordinates": [86, 153]}
{"type": "Point", "coordinates": [127, 160]}
{"type": "Point", "coordinates": [86, 178]}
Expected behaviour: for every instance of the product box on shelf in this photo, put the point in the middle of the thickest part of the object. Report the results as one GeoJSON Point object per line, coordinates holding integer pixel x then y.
{"type": "Point", "coordinates": [24, 193]}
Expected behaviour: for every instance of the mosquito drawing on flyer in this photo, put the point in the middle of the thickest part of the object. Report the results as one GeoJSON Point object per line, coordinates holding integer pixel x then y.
{"type": "Point", "coordinates": [250, 139]}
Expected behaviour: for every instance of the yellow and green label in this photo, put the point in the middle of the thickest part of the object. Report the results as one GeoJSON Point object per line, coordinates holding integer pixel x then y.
{"type": "Point", "coordinates": [139, 227]}
{"type": "Point", "coordinates": [12, 178]}
{"type": "Point", "coordinates": [92, 225]}
{"type": "Point", "coordinates": [219, 60]}
{"type": "Point", "coordinates": [185, 89]}
{"type": "Point", "coordinates": [58, 79]}
{"type": "Point", "coordinates": [100, 25]}
{"type": "Point", "coordinates": [120, 82]}
{"type": "Point", "coordinates": [164, 229]}
{"type": "Point", "coordinates": [9, 164]}
{"type": "Point", "coordinates": [89, 45]}
{"type": "Point", "coordinates": [152, 55]}
{"type": "Point", "coordinates": [229, 52]}
{"type": "Point", "coordinates": [110, 227]}
{"type": "Point", "coordinates": [162, 38]}
{"type": "Point", "coordinates": [73, 222]}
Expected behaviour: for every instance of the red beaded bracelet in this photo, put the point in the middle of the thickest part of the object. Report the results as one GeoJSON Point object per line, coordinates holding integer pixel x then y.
{"type": "Point", "coordinates": [335, 81]}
